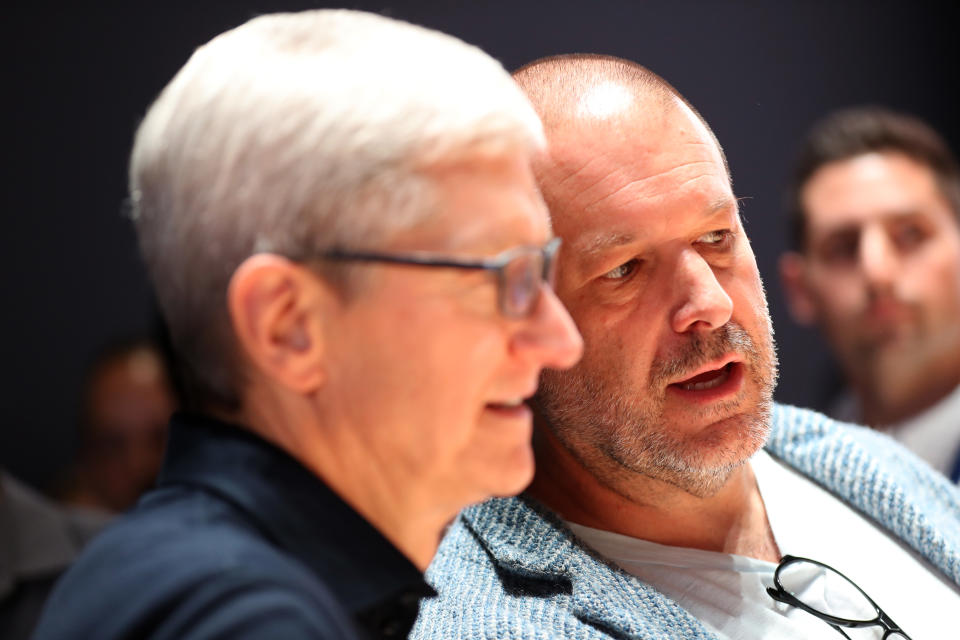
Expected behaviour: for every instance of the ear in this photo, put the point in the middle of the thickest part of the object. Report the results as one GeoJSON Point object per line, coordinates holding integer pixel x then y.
{"type": "Point", "coordinates": [276, 307]}
{"type": "Point", "coordinates": [793, 278]}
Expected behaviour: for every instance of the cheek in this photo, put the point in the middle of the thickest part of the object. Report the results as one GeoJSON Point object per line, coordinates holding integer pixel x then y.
{"type": "Point", "coordinates": [934, 277]}
{"type": "Point", "coordinates": [622, 347]}
{"type": "Point", "coordinates": [745, 289]}
{"type": "Point", "coordinates": [837, 293]}
{"type": "Point", "coordinates": [462, 369]}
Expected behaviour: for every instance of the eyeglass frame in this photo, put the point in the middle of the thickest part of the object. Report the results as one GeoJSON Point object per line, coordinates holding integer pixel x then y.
{"type": "Point", "coordinates": [782, 595]}
{"type": "Point", "coordinates": [497, 264]}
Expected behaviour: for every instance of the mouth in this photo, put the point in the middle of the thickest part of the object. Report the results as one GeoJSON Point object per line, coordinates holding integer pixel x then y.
{"type": "Point", "coordinates": [711, 383]}
{"type": "Point", "coordinates": [506, 404]}
{"type": "Point", "coordinates": [886, 310]}
{"type": "Point", "coordinates": [510, 408]}
{"type": "Point", "coordinates": [886, 317]}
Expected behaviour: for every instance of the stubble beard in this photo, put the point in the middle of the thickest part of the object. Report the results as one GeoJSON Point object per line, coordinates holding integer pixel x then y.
{"type": "Point", "coordinates": [593, 414]}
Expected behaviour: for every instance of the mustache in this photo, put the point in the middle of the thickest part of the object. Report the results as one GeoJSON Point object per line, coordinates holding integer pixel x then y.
{"type": "Point", "coordinates": [702, 348]}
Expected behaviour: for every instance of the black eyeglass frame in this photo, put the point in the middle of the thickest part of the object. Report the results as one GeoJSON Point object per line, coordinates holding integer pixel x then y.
{"type": "Point", "coordinates": [782, 595]}
{"type": "Point", "coordinates": [497, 264]}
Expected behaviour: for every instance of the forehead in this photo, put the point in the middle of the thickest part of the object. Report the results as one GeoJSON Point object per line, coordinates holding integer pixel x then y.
{"type": "Point", "coordinates": [486, 203]}
{"type": "Point", "coordinates": [867, 187]}
{"type": "Point", "coordinates": [640, 174]}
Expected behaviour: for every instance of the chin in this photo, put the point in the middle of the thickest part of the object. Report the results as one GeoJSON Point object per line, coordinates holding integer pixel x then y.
{"type": "Point", "coordinates": [496, 476]}
{"type": "Point", "coordinates": [515, 473]}
{"type": "Point", "coordinates": [701, 465]}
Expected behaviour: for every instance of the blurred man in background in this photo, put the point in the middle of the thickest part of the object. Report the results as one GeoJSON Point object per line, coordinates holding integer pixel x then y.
{"type": "Point", "coordinates": [875, 206]}
{"type": "Point", "coordinates": [127, 401]}
{"type": "Point", "coordinates": [338, 213]}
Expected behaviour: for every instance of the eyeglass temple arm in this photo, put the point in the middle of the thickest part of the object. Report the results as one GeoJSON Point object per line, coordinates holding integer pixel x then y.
{"type": "Point", "coordinates": [411, 260]}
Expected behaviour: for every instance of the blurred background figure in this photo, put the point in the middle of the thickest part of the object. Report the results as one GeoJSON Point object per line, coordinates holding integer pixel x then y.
{"type": "Point", "coordinates": [38, 541]}
{"type": "Point", "coordinates": [127, 400]}
{"type": "Point", "coordinates": [875, 264]}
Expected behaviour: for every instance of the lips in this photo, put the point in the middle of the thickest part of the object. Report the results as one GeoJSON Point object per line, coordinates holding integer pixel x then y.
{"type": "Point", "coordinates": [707, 380]}
{"type": "Point", "coordinates": [514, 398]}
{"type": "Point", "coordinates": [713, 382]}
{"type": "Point", "coordinates": [511, 406]}
{"type": "Point", "coordinates": [509, 411]}
{"type": "Point", "coordinates": [507, 404]}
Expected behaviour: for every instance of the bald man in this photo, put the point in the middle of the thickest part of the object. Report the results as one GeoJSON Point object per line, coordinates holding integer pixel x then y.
{"type": "Point", "coordinates": [672, 497]}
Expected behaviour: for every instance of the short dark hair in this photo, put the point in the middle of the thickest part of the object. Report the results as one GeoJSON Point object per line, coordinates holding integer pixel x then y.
{"type": "Point", "coordinates": [117, 350]}
{"type": "Point", "coordinates": [856, 131]}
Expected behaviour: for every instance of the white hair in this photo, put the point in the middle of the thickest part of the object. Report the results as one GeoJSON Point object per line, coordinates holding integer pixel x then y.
{"type": "Point", "coordinates": [297, 132]}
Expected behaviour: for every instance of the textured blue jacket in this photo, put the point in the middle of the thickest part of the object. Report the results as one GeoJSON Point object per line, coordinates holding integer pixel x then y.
{"type": "Point", "coordinates": [510, 569]}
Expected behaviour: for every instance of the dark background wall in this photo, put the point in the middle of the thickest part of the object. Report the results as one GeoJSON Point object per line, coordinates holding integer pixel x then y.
{"type": "Point", "coordinates": [77, 78]}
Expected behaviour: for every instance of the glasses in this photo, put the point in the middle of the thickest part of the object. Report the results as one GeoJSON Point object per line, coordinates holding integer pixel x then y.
{"type": "Point", "coordinates": [837, 600]}
{"type": "Point", "coordinates": [521, 271]}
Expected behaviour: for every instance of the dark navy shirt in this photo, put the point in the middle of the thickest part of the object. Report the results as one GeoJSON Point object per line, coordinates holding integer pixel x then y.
{"type": "Point", "coordinates": [237, 541]}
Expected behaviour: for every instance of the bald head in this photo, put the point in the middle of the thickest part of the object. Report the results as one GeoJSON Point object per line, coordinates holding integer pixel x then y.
{"type": "Point", "coordinates": [579, 90]}
{"type": "Point", "coordinates": [660, 279]}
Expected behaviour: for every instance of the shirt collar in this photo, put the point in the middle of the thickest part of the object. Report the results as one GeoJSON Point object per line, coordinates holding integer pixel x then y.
{"type": "Point", "coordinates": [294, 508]}
{"type": "Point", "coordinates": [932, 434]}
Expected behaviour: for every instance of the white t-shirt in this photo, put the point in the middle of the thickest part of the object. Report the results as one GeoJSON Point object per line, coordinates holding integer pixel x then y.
{"type": "Point", "coordinates": [728, 592]}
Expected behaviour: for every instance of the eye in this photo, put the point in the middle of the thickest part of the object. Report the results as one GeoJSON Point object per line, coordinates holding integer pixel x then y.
{"type": "Point", "coordinates": [908, 235]}
{"type": "Point", "coordinates": [841, 247]}
{"type": "Point", "coordinates": [622, 271]}
{"type": "Point", "coordinates": [717, 239]}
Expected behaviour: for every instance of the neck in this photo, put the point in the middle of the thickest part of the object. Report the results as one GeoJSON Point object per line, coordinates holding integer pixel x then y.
{"type": "Point", "coordinates": [404, 514]}
{"type": "Point", "coordinates": [898, 391]}
{"type": "Point", "coordinates": [733, 520]}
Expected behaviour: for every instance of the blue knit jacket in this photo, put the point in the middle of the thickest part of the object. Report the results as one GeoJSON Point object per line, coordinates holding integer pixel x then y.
{"type": "Point", "coordinates": [510, 569]}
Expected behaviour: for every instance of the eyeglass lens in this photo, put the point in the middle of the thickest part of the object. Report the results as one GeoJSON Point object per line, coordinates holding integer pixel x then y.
{"type": "Point", "coordinates": [826, 591]}
{"type": "Point", "coordinates": [521, 283]}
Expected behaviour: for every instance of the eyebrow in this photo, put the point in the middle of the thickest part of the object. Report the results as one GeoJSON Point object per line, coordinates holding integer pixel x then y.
{"type": "Point", "coordinates": [602, 242]}
{"type": "Point", "coordinates": [721, 203]}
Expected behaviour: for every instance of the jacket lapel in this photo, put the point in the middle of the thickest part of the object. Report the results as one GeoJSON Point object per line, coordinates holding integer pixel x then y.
{"type": "Point", "coordinates": [536, 553]}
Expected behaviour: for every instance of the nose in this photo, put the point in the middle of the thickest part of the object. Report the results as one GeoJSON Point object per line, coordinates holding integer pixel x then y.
{"type": "Point", "coordinates": [549, 335]}
{"type": "Point", "coordinates": [702, 303]}
{"type": "Point", "coordinates": [878, 260]}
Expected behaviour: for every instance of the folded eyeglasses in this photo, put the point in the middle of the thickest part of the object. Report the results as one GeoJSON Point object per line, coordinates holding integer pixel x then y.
{"type": "Point", "coordinates": [843, 604]}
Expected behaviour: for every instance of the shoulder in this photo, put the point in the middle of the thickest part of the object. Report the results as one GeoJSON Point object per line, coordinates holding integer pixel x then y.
{"type": "Point", "coordinates": [189, 567]}
{"type": "Point", "coordinates": [833, 452]}
{"type": "Point", "coordinates": [511, 568]}
{"type": "Point", "coordinates": [84, 524]}
{"type": "Point", "coordinates": [463, 565]}
{"type": "Point", "coordinates": [877, 476]}
{"type": "Point", "coordinates": [63, 531]}
{"type": "Point", "coordinates": [477, 598]}
{"type": "Point", "coordinates": [248, 601]}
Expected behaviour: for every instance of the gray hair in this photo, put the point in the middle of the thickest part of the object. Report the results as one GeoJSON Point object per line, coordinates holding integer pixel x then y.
{"type": "Point", "coordinates": [293, 133]}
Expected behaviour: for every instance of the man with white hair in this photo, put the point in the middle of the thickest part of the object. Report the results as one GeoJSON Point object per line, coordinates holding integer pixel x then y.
{"type": "Point", "coordinates": [339, 217]}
